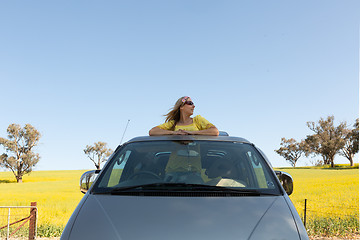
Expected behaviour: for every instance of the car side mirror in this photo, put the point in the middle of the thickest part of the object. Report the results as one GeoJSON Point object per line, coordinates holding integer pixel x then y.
{"type": "Point", "coordinates": [87, 179]}
{"type": "Point", "coordinates": [286, 181]}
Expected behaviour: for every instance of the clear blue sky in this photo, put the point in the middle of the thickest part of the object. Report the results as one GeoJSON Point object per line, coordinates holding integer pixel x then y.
{"type": "Point", "coordinates": [78, 70]}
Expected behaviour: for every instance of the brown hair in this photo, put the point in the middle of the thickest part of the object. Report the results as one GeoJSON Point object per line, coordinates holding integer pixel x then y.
{"type": "Point", "coordinates": [174, 113]}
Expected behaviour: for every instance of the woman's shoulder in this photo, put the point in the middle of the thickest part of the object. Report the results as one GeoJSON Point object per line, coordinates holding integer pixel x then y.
{"type": "Point", "coordinates": [202, 123]}
{"type": "Point", "coordinates": [166, 125]}
{"type": "Point", "coordinates": [198, 118]}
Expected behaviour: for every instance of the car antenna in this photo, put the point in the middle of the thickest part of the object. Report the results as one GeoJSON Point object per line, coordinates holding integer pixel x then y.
{"type": "Point", "coordinates": [124, 131]}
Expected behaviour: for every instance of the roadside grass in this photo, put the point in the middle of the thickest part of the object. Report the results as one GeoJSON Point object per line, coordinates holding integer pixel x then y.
{"type": "Point", "coordinates": [332, 198]}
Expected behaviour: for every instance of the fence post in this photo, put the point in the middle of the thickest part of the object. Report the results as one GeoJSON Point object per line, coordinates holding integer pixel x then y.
{"type": "Point", "coordinates": [32, 223]}
{"type": "Point", "coordinates": [305, 214]}
{"type": "Point", "coordinates": [8, 226]}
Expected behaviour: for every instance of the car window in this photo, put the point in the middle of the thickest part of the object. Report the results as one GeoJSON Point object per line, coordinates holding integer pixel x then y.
{"type": "Point", "coordinates": [212, 163]}
{"type": "Point", "coordinates": [116, 171]}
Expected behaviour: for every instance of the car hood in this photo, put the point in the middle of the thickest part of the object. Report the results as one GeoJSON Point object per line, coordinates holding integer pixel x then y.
{"type": "Point", "coordinates": [163, 218]}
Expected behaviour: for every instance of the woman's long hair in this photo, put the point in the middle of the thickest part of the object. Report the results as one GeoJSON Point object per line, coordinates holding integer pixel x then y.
{"type": "Point", "coordinates": [174, 113]}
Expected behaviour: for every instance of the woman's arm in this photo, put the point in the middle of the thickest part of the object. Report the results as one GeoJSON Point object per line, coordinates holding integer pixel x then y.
{"type": "Point", "coordinates": [156, 131]}
{"type": "Point", "coordinates": [212, 131]}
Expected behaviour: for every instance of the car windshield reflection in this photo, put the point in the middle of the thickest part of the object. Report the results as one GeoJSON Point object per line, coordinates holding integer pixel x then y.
{"type": "Point", "coordinates": [186, 166]}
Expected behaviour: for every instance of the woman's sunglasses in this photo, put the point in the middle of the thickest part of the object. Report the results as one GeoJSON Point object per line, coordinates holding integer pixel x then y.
{"type": "Point", "coordinates": [189, 103]}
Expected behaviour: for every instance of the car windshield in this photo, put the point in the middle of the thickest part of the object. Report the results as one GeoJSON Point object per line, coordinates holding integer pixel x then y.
{"type": "Point", "coordinates": [186, 165]}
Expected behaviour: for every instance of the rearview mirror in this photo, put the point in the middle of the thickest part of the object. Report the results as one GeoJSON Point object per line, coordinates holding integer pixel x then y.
{"type": "Point", "coordinates": [286, 181]}
{"type": "Point", "coordinates": [87, 179]}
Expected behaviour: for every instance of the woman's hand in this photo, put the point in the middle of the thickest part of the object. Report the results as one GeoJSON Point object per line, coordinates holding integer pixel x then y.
{"type": "Point", "coordinates": [212, 131]}
{"type": "Point", "coordinates": [181, 132]}
{"type": "Point", "coordinates": [156, 131]}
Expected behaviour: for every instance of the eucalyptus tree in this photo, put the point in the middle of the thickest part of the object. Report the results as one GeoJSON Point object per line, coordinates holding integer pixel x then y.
{"type": "Point", "coordinates": [351, 146]}
{"type": "Point", "coordinates": [291, 150]}
{"type": "Point", "coordinates": [98, 153]}
{"type": "Point", "coordinates": [19, 156]}
{"type": "Point", "coordinates": [327, 139]}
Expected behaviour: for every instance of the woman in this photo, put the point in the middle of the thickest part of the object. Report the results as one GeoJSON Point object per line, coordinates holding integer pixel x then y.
{"type": "Point", "coordinates": [179, 122]}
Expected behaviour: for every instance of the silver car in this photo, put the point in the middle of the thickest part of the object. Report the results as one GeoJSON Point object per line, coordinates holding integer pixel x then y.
{"type": "Point", "coordinates": [186, 187]}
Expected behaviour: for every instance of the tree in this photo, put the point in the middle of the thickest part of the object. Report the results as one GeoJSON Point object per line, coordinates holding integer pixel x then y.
{"type": "Point", "coordinates": [290, 150]}
{"type": "Point", "coordinates": [328, 139]}
{"type": "Point", "coordinates": [98, 153]}
{"type": "Point", "coordinates": [20, 158]}
{"type": "Point", "coordinates": [351, 146]}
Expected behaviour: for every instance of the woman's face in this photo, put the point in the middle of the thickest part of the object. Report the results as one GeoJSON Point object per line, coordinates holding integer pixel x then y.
{"type": "Point", "coordinates": [187, 108]}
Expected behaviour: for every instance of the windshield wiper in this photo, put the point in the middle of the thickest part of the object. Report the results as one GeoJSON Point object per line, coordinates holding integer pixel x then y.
{"type": "Point", "coordinates": [181, 187]}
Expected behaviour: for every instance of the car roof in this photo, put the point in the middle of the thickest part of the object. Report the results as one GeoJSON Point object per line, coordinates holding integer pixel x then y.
{"type": "Point", "coordinates": [223, 137]}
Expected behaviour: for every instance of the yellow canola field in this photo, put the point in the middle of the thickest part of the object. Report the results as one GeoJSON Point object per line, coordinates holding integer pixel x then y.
{"type": "Point", "coordinates": [56, 193]}
{"type": "Point", "coordinates": [329, 193]}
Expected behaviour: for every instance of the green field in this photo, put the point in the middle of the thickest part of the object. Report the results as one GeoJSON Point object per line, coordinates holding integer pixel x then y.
{"type": "Point", "coordinates": [332, 198]}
